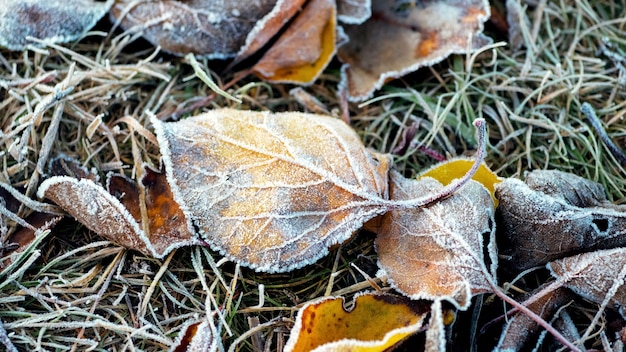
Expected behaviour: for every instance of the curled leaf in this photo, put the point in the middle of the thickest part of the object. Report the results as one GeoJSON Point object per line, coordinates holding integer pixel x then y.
{"type": "Point", "coordinates": [402, 36]}
{"type": "Point", "coordinates": [54, 21]}
{"type": "Point", "coordinates": [117, 215]}
{"type": "Point", "coordinates": [555, 214]}
{"type": "Point", "coordinates": [436, 252]}
{"type": "Point", "coordinates": [307, 46]}
{"type": "Point", "coordinates": [375, 322]}
{"type": "Point", "coordinates": [272, 191]}
{"type": "Point", "coordinates": [198, 336]}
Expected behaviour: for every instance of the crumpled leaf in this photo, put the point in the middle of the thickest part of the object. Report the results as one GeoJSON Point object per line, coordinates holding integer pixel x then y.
{"type": "Point", "coordinates": [198, 336]}
{"type": "Point", "coordinates": [375, 322]}
{"type": "Point", "coordinates": [117, 215]}
{"type": "Point", "coordinates": [272, 191]}
{"type": "Point", "coordinates": [436, 252]}
{"type": "Point", "coordinates": [305, 49]}
{"type": "Point", "coordinates": [216, 29]}
{"type": "Point", "coordinates": [595, 276]}
{"type": "Point", "coordinates": [452, 169]}
{"type": "Point", "coordinates": [555, 214]}
{"type": "Point", "coordinates": [402, 36]}
{"type": "Point", "coordinates": [53, 21]}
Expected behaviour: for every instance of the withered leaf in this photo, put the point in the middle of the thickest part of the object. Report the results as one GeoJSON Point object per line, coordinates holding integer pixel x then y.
{"type": "Point", "coordinates": [302, 52]}
{"type": "Point", "coordinates": [375, 322]}
{"type": "Point", "coordinates": [402, 36]}
{"type": "Point", "coordinates": [436, 252]}
{"type": "Point", "coordinates": [596, 276]}
{"type": "Point", "coordinates": [54, 21]}
{"type": "Point", "coordinates": [555, 214]}
{"type": "Point", "coordinates": [117, 216]}
{"type": "Point", "coordinates": [198, 336]}
{"type": "Point", "coordinates": [354, 11]}
{"type": "Point", "coordinates": [216, 29]}
{"type": "Point", "coordinates": [272, 191]}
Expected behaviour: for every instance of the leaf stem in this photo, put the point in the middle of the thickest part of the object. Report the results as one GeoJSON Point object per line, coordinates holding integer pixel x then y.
{"type": "Point", "coordinates": [534, 316]}
{"type": "Point", "coordinates": [450, 189]}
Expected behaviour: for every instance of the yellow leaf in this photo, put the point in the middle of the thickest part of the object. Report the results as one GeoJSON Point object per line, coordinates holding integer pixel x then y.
{"type": "Point", "coordinates": [455, 168]}
{"type": "Point", "coordinates": [376, 322]}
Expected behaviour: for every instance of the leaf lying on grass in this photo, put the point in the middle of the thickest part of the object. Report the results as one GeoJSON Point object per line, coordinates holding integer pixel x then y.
{"type": "Point", "coordinates": [198, 336]}
{"type": "Point", "coordinates": [401, 37]}
{"type": "Point", "coordinates": [436, 252]}
{"type": "Point", "coordinates": [555, 214]}
{"type": "Point", "coordinates": [118, 214]}
{"type": "Point", "coordinates": [53, 21]}
{"type": "Point", "coordinates": [376, 322]}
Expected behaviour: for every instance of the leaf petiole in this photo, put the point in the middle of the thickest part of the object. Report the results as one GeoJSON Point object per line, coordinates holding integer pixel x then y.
{"type": "Point", "coordinates": [453, 187]}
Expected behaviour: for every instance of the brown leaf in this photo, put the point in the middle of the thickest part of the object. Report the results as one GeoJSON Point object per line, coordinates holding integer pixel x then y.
{"type": "Point", "coordinates": [272, 191]}
{"type": "Point", "coordinates": [53, 21]}
{"type": "Point", "coordinates": [596, 276]}
{"type": "Point", "coordinates": [375, 322]}
{"type": "Point", "coordinates": [555, 214]}
{"type": "Point", "coordinates": [436, 252]}
{"type": "Point", "coordinates": [307, 46]}
{"type": "Point", "coordinates": [216, 29]}
{"type": "Point", "coordinates": [401, 37]}
{"type": "Point", "coordinates": [121, 221]}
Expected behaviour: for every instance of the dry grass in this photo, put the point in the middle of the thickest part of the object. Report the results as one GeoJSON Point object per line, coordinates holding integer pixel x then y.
{"type": "Point", "coordinates": [91, 101]}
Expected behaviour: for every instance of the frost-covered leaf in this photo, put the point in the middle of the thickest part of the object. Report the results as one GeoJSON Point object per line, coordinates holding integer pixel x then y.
{"type": "Point", "coordinates": [117, 216]}
{"type": "Point", "coordinates": [354, 11]}
{"type": "Point", "coordinates": [437, 252]}
{"type": "Point", "coordinates": [302, 52]}
{"type": "Point", "coordinates": [553, 215]}
{"type": "Point", "coordinates": [402, 36]}
{"type": "Point", "coordinates": [596, 276]}
{"type": "Point", "coordinates": [53, 21]}
{"type": "Point", "coordinates": [375, 322]}
{"type": "Point", "coordinates": [212, 28]}
{"type": "Point", "coordinates": [272, 191]}
{"type": "Point", "coordinates": [198, 336]}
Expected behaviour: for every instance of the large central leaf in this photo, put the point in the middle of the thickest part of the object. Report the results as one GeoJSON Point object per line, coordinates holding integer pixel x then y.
{"type": "Point", "coordinates": [272, 191]}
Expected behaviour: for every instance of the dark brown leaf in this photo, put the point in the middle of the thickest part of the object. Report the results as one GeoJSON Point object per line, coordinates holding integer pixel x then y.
{"type": "Point", "coordinates": [53, 21]}
{"type": "Point", "coordinates": [553, 215]}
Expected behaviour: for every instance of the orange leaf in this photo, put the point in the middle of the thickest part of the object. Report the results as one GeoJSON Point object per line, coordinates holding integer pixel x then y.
{"type": "Point", "coordinates": [120, 219]}
{"type": "Point", "coordinates": [452, 169]}
{"type": "Point", "coordinates": [401, 37]}
{"type": "Point", "coordinates": [436, 252]}
{"type": "Point", "coordinates": [306, 47]}
{"type": "Point", "coordinates": [272, 191]}
{"type": "Point", "coordinates": [376, 322]}
{"type": "Point", "coordinates": [198, 336]}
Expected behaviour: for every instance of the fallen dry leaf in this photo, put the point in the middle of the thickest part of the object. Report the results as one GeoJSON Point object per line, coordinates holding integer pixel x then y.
{"type": "Point", "coordinates": [402, 36]}
{"type": "Point", "coordinates": [596, 276]}
{"type": "Point", "coordinates": [272, 191]}
{"type": "Point", "coordinates": [302, 52]}
{"type": "Point", "coordinates": [117, 215]}
{"type": "Point", "coordinates": [375, 322]}
{"type": "Point", "coordinates": [354, 11]}
{"type": "Point", "coordinates": [198, 336]}
{"type": "Point", "coordinates": [436, 252]}
{"type": "Point", "coordinates": [555, 214]}
{"type": "Point", "coordinates": [216, 29]}
{"type": "Point", "coordinates": [53, 21]}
